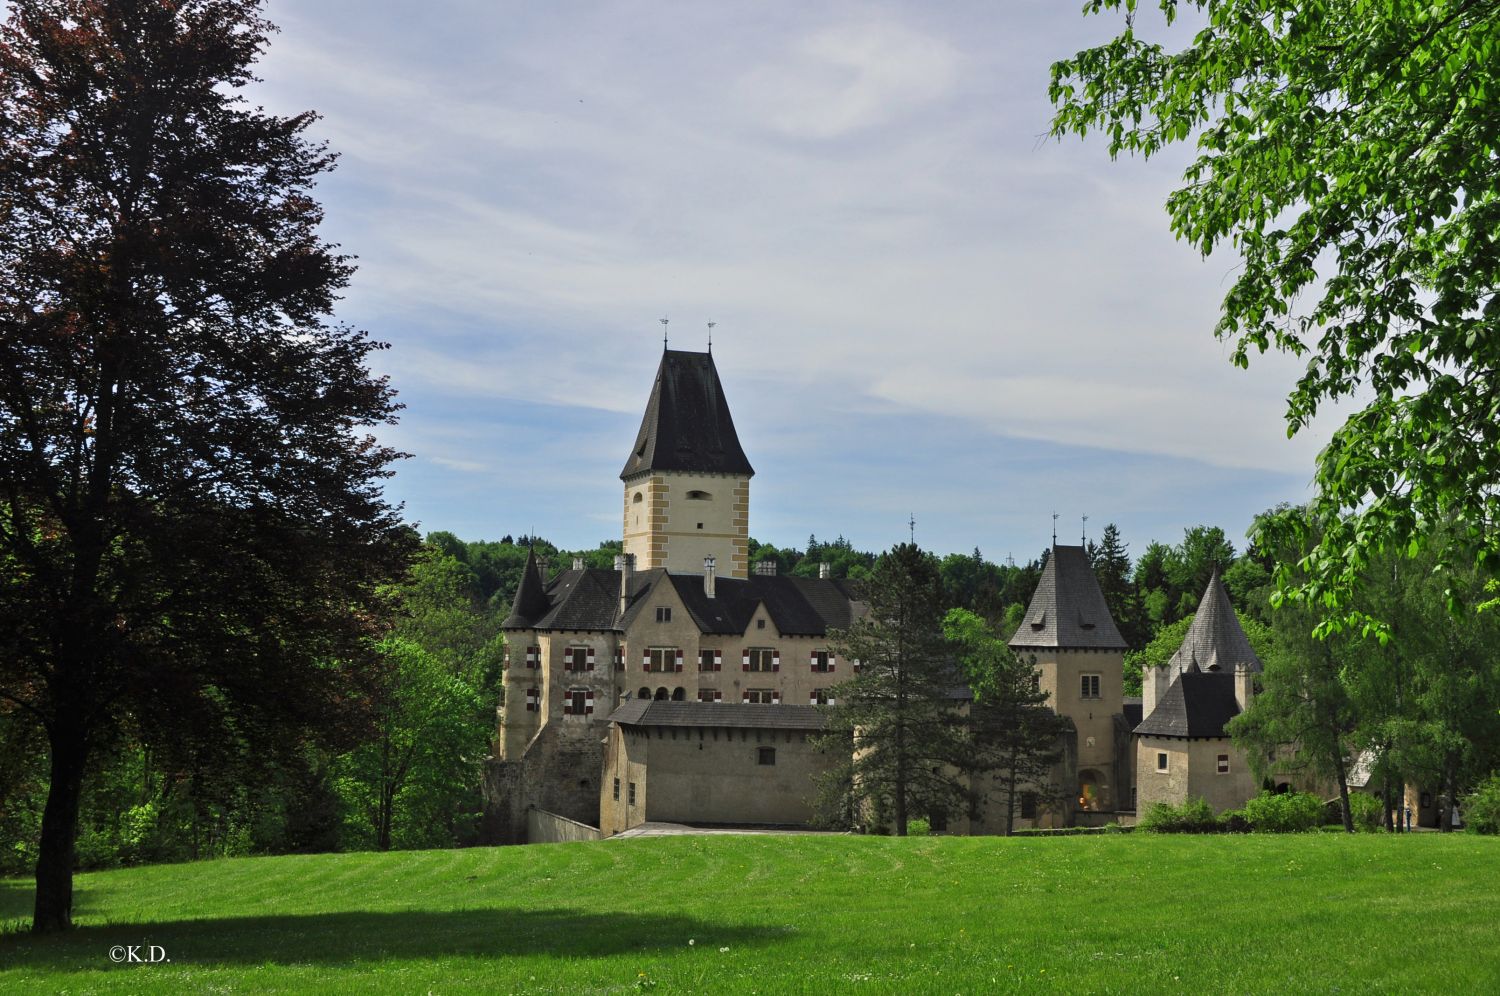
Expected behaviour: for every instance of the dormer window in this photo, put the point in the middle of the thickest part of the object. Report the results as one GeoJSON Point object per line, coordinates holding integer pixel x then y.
{"type": "Point", "coordinates": [1039, 620]}
{"type": "Point", "coordinates": [699, 496]}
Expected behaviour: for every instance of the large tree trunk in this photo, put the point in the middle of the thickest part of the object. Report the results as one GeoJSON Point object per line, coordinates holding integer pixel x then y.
{"type": "Point", "coordinates": [53, 910]}
{"type": "Point", "coordinates": [1449, 792]}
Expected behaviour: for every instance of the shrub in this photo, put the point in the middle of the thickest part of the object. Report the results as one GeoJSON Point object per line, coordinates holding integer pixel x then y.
{"type": "Point", "coordinates": [1481, 811]}
{"type": "Point", "coordinates": [1234, 821]}
{"type": "Point", "coordinates": [1193, 816]}
{"type": "Point", "coordinates": [918, 827]}
{"type": "Point", "coordinates": [1368, 812]}
{"type": "Point", "coordinates": [1293, 812]}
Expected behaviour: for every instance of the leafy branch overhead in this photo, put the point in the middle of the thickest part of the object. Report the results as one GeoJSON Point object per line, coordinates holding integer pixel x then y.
{"type": "Point", "coordinates": [1347, 152]}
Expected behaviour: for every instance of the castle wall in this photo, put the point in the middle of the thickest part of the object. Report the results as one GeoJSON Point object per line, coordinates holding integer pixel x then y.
{"type": "Point", "coordinates": [1192, 772]}
{"type": "Point", "coordinates": [669, 524]}
{"type": "Point", "coordinates": [1094, 716]}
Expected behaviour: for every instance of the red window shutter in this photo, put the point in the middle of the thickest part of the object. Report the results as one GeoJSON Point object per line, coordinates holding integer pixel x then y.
{"type": "Point", "coordinates": [645, 660]}
{"type": "Point", "coordinates": [831, 660]}
{"type": "Point", "coordinates": [812, 660]}
{"type": "Point", "coordinates": [775, 660]}
{"type": "Point", "coordinates": [745, 661]}
{"type": "Point", "coordinates": [718, 660]}
{"type": "Point", "coordinates": [718, 696]}
{"type": "Point", "coordinates": [591, 659]}
{"type": "Point", "coordinates": [776, 698]}
{"type": "Point", "coordinates": [812, 700]}
{"type": "Point", "coordinates": [747, 697]}
{"type": "Point", "coordinates": [678, 665]}
{"type": "Point", "coordinates": [588, 707]}
{"type": "Point", "coordinates": [619, 658]}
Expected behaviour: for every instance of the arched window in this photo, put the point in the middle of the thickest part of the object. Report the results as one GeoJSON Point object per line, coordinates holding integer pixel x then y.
{"type": "Point", "coordinates": [699, 496]}
{"type": "Point", "coordinates": [637, 499]}
{"type": "Point", "coordinates": [644, 693]}
{"type": "Point", "coordinates": [679, 694]}
{"type": "Point", "coordinates": [662, 695]}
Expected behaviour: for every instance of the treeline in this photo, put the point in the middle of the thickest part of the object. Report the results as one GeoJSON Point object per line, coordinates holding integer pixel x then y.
{"type": "Point", "coordinates": [407, 776]}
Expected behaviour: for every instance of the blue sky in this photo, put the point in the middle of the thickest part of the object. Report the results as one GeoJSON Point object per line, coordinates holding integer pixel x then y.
{"type": "Point", "coordinates": [923, 306]}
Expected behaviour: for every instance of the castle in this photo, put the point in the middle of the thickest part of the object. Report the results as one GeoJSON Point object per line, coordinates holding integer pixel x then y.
{"type": "Point", "coordinates": [682, 685]}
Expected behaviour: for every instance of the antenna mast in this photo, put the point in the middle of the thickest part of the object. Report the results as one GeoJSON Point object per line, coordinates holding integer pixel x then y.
{"type": "Point", "coordinates": [711, 336]}
{"type": "Point", "coordinates": [1085, 530]}
{"type": "Point", "coordinates": [1054, 528]}
{"type": "Point", "coordinates": [663, 333]}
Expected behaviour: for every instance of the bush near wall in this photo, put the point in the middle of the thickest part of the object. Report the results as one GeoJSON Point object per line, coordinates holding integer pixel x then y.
{"type": "Point", "coordinates": [1482, 809]}
{"type": "Point", "coordinates": [1292, 812]}
{"type": "Point", "coordinates": [1193, 816]}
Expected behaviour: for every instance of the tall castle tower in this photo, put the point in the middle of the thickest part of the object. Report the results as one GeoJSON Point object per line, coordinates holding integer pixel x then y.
{"type": "Point", "coordinates": [687, 481]}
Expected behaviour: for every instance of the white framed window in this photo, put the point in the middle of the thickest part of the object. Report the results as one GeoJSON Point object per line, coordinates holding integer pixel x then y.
{"type": "Point", "coordinates": [760, 659]}
{"type": "Point", "coordinates": [821, 661]}
{"type": "Point", "coordinates": [820, 696]}
{"type": "Point", "coordinates": [710, 660]}
{"type": "Point", "coordinates": [710, 695]}
{"type": "Point", "coordinates": [662, 659]}
{"type": "Point", "coordinates": [578, 702]}
{"type": "Point", "coordinates": [1161, 760]}
{"type": "Point", "coordinates": [578, 659]}
{"type": "Point", "coordinates": [533, 700]}
{"type": "Point", "coordinates": [533, 657]}
{"type": "Point", "coordinates": [663, 613]}
{"type": "Point", "coordinates": [762, 696]}
{"type": "Point", "coordinates": [1090, 686]}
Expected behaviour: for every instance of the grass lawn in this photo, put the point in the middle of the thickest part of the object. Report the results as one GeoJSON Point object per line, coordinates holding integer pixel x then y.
{"type": "Point", "coordinates": [1130, 913]}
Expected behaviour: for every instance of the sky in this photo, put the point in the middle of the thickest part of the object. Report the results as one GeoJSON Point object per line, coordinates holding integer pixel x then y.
{"type": "Point", "coordinates": [924, 307]}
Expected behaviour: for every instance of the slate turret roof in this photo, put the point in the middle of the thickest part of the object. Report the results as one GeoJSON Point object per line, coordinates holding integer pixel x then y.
{"type": "Point", "coordinates": [589, 599]}
{"type": "Point", "coordinates": [1215, 641]}
{"type": "Point", "coordinates": [531, 602]}
{"type": "Point", "coordinates": [1197, 705]}
{"type": "Point", "coordinates": [687, 425]}
{"type": "Point", "coordinates": [1068, 610]}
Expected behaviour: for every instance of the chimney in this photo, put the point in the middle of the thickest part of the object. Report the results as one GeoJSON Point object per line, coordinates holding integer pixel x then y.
{"type": "Point", "coordinates": [1244, 686]}
{"type": "Point", "coordinates": [541, 567]}
{"type": "Point", "coordinates": [765, 568]}
{"type": "Point", "coordinates": [1154, 682]}
{"type": "Point", "coordinates": [624, 563]}
{"type": "Point", "coordinates": [823, 572]}
{"type": "Point", "coordinates": [708, 576]}
{"type": "Point", "coordinates": [577, 563]}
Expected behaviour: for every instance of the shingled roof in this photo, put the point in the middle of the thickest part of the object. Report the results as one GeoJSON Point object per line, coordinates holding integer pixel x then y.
{"type": "Point", "coordinates": [657, 712]}
{"type": "Point", "coordinates": [588, 599]}
{"type": "Point", "coordinates": [1068, 610]}
{"type": "Point", "coordinates": [1196, 705]}
{"type": "Point", "coordinates": [687, 425]}
{"type": "Point", "coordinates": [1215, 640]}
{"type": "Point", "coordinates": [531, 602]}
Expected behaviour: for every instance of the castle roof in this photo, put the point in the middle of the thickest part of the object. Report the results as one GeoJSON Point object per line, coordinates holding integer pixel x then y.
{"type": "Point", "coordinates": [530, 603]}
{"type": "Point", "coordinates": [1215, 641]}
{"type": "Point", "coordinates": [1197, 704]}
{"type": "Point", "coordinates": [1068, 610]}
{"type": "Point", "coordinates": [589, 599]}
{"type": "Point", "coordinates": [687, 425]}
{"type": "Point", "coordinates": [658, 712]}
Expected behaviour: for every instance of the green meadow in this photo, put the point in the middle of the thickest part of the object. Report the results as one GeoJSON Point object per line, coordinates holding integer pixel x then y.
{"type": "Point", "coordinates": [815, 914]}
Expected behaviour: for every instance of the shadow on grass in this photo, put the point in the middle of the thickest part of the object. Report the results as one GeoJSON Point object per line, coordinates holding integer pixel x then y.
{"type": "Point", "coordinates": [350, 938]}
{"type": "Point", "coordinates": [15, 899]}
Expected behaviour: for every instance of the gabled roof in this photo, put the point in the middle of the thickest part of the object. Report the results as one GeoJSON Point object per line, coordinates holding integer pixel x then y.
{"type": "Point", "coordinates": [1197, 704]}
{"type": "Point", "coordinates": [1215, 640]}
{"type": "Point", "coordinates": [588, 599]}
{"type": "Point", "coordinates": [530, 603]}
{"type": "Point", "coordinates": [1068, 610]}
{"type": "Point", "coordinates": [687, 425]}
{"type": "Point", "coordinates": [657, 712]}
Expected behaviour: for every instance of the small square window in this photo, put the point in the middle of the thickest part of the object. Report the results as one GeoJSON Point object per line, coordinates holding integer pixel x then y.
{"type": "Point", "coordinates": [700, 525]}
{"type": "Point", "coordinates": [760, 624]}
{"type": "Point", "coordinates": [1090, 689]}
{"type": "Point", "coordinates": [766, 755]}
{"type": "Point", "coordinates": [663, 613]}
{"type": "Point", "coordinates": [1161, 761]}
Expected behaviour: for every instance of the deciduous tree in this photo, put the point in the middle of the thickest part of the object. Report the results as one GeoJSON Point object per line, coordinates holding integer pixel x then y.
{"type": "Point", "coordinates": [192, 523]}
{"type": "Point", "coordinates": [1347, 154]}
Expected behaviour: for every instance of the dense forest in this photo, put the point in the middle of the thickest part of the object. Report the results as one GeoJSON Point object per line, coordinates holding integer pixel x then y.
{"type": "Point", "coordinates": [1427, 699]}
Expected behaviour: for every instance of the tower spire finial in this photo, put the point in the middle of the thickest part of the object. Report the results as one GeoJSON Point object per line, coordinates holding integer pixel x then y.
{"type": "Point", "coordinates": [912, 525]}
{"type": "Point", "coordinates": [711, 336]}
{"type": "Point", "coordinates": [1085, 530]}
{"type": "Point", "coordinates": [1054, 528]}
{"type": "Point", "coordinates": [663, 334]}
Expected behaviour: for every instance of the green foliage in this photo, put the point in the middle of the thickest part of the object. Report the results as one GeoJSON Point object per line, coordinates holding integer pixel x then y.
{"type": "Point", "coordinates": [1289, 812]}
{"type": "Point", "coordinates": [1482, 808]}
{"type": "Point", "coordinates": [1346, 151]}
{"type": "Point", "coordinates": [1192, 816]}
{"type": "Point", "coordinates": [1367, 812]}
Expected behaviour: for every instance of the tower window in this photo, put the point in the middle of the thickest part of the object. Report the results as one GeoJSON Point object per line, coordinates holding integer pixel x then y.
{"type": "Point", "coordinates": [1161, 761]}
{"type": "Point", "coordinates": [663, 613]}
{"type": "Point", "coordinates": [637, 499]}
{"type": "Point", "coordinates": [1223, 764]}
{"type": "Point", "coordinates": [699, 496]}
{"type": "Point", "coordinates": [766, 755]}
{"type": "Point", "coordinates": [1090, 689]}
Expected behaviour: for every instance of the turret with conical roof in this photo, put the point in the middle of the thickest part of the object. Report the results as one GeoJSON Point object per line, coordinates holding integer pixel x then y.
{"type": "Point", "coordinates": [1215, 640]}
{"type": "Point", "coordinates": [530, 603]}
{"type": "Point", "coordinates": [1068, 610]}
{"type": "Point", "coordinates": [687, 480]}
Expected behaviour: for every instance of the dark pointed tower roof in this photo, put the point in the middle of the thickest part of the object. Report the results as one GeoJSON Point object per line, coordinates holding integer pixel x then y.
{"type": "Point", "coordinates": [530, 603]}
{"type": "Point", "coordinates": [1068, 610]}
{"type": "Point", "coordinates": [687, 424]}
{"type": "Point", "coordinates": [1215, 641]}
